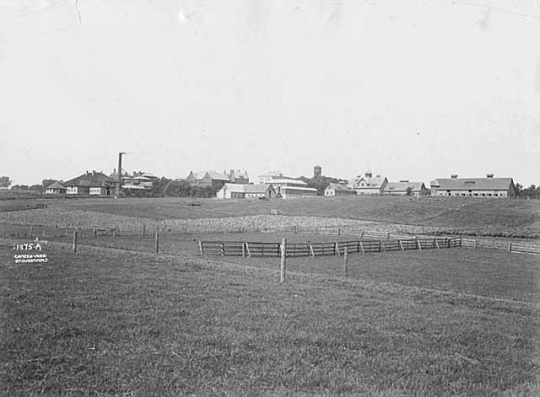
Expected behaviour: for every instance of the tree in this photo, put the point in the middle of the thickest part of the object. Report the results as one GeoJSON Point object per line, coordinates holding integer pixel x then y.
{"type": "Point", "coordinates": [5, 182]}
{"type": "Point", "coordinates": [408, 191]}
{"type": "Point", "coordinates": [45, 183]}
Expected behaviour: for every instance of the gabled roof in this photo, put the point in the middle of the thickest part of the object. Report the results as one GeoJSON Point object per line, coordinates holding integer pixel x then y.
{"type": "Point", "coordinates": [217, 176]}
{"type": "Point", "coordinates": [56, 185]}
{"type": "Point", "coordinates": [90, 179]}
{"type": "Point", "coordinates": [371, 183]}
{"type": "Point", "coordinates": [403, 186]}
{"type": "Point", "coordinates": [339, 186]}
{"type": "Point", "coordinates": [472, 183]}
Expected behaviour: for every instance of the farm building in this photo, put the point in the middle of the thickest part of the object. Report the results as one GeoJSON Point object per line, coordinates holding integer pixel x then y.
{"type": "Point", "coordinates": [237, 176]}
{"type": "Point", "coordinates": [138, 180]}
{"type": "Point", "coordinates": [270, 176]}
{"type": "Point", "coordinates": [338, 189]}
{"type": "Point", "coordinates": [292, 188]}
{"type": "Point", "coordinates": [212, 179]}
{"type": "Point", "coordinates": [244, 191]}
{"type": "Point", "coordinates": [216, 180]}
{"type": "Point", "coordinates": [404, 188]}
{"type": "Point", "coordinates": [55, 188]}
{"type": "Point", "coordinates": [93, 183]}
{"type": "Point", "coordinates": [368, 184]}
{"type": "Point", "coordinates": [473, 187]}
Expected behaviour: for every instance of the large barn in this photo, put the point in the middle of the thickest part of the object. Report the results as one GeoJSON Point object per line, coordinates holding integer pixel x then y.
{"type": "Point", "coordinates": [474, 187]}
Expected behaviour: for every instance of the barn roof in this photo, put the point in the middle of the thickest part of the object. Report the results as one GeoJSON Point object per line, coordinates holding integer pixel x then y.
{"type": "Point", "coordinates": [403, 186]}
{"type": "Point", "coordinates": [90, 179]}
{"type": "Point", "coordinates": [339, 186]}
{"type": "Point", "coordinates": [472, 183]}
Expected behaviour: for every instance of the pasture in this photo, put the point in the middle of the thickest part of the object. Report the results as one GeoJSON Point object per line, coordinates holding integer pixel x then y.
{"type": "Point", "coordinates": [111, 323]}
{"type": "Point", "coordinates": [116, 319]}
{"type": "Point", "coordinates": [480, 216]}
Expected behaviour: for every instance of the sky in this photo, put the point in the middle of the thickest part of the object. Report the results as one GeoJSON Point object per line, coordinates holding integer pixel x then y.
{"type": "Point", "coordinates": [413, 89]}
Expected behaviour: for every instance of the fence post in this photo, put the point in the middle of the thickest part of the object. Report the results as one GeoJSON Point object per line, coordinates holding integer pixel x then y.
{"type": "Point", "coordinates": [75, 233]}
{"type": "Point", "coordinates": [95, 233]}
{"type": "Point", "coordinates": [339, 231]}
{"type": "Point", "coordinates": [336, 248]}
{"type": "Point", "coordinates": [114, 233]}
{"type": "Point", "coordinates": [144, 230]}
{"type": "Point", "coordinates": [362, 247]}
{"type": "Point", "coordinates": [243, 250]}
{"type": "Point", "coordinates": [345, 257]}
{"type": "Point", "coordinates": [436, 243]}
{"type": "Point", "coordinates": [388, 236]}
{"type": "Point", "coordinates": [283, 266]}
{"type": "Point", "coordinates": [311, 250]}
{"type": "Point", "coordinates": [157, 244]}
{"type": "Point", "coordinates": [418, 245]}
{"type": "Point", "coordinates": [475, 243]}
{"type": "Point", "coordinates": [401, 244]}
{"type": "Point", "coordinates": [201, 248]}
{"type": "Point", "coordinates": [510, 247]}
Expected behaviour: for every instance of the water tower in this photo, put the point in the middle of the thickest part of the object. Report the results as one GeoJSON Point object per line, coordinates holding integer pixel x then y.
{"type": "Point", "coordinates": [317, 171]}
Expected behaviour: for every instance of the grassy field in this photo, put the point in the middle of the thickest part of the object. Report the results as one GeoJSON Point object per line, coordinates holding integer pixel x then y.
{"type": "Point", "coordinates": [125, 324]}
{"type": "Point", "coordinates": [480, 215]}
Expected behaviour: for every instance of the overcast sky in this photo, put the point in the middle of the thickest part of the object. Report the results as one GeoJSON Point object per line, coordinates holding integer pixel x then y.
{"type": "Point", "coordinates": [409, 89]}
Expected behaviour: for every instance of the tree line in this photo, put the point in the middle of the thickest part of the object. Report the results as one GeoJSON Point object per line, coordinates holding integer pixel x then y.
{"type": "Point", "coordinates": [166, 187]}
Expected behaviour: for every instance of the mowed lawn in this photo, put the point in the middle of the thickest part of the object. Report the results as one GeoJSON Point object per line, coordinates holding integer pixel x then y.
{"type": "Point", "coordinates": [115, 323]}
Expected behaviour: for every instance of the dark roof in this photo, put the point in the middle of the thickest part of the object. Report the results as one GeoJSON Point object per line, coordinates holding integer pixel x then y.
{"type": "Point", "coordinates": [402, 186]}
{"type": "Point", "coordinates": [472, 183]}
{"type": "Point", "coordinates": [91, 179]}
{"type": "Point", "coordinates": [339, 186]}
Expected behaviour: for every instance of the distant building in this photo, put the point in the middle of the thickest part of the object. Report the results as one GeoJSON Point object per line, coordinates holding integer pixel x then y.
{"type": "Point", "coordinates": [474, 187]}
{"type": "Point", "coordinates": [212, 179]}
{"type": "Point", "coordinates": [56, 188]}
{"type": "Point", "coordinates": [138, 180]}
{"type": "Point", "coordinates": [237, 176]}
{"type": "Point", "coordinates": [368, 184]}
{"type": "Point", "coordinates": [243, 191]}
{"type": "Point", "coordinates": [216, 180]}
{"type": "Point", "coordinates": [269, 176]}
{"type": "Point", "coordinates": [403, 188]}
{"type": "Point", "coordinates": [338, 189]}
{"type": "Point", "coordinates": [292, 188]}
{"type": "Point", "coordinates": [92, 183]}
{"type": "Point", "coordinates": [317, 171]}
{"type": "Point", "coordinates": [287, 187]}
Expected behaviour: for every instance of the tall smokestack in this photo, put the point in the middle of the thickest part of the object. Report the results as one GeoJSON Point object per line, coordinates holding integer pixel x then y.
{"type": "Point", "coordinates": [119, 185]}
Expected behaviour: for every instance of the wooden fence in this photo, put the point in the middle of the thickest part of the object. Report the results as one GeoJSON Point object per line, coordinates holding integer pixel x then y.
{"type": "Point", "coordinates": [510, 246]}
{"type": "Point", "coordinates": [261, 249]}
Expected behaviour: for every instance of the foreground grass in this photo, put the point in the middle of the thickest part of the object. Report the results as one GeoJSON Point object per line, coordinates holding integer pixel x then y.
{"type": "Point", "coordinates": [127, 324]}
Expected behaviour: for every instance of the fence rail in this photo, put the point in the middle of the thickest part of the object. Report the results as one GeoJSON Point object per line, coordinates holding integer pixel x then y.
{"type": "Point", "coordinates": [263, 249]}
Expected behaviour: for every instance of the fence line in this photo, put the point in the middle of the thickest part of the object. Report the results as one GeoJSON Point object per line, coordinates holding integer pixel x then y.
{"type": "Point", "coordinates": [264, 249]}
{"type": "Point", "coordinates": [146, 231]}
